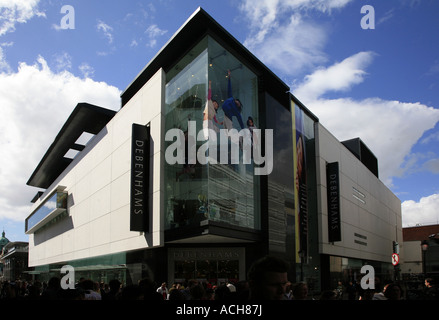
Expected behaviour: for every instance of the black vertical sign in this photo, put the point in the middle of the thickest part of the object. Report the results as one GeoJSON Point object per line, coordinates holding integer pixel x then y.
{"type": "Point", "coordinates": [139, 208]}
{"type": "Point", "coordinates": [333, 193]}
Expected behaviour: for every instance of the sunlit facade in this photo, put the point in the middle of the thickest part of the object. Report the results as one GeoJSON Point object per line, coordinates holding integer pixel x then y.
{"type": "Point", "coordinates": [138, 201]}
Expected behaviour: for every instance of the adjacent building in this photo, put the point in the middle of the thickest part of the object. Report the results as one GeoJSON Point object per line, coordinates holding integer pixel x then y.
{"type": "Point", "coordinates": [14, 261]}
{"type": "Point", "coordinates": [149, 196]}
{"type": "Point", "coordinates": [421, 254]}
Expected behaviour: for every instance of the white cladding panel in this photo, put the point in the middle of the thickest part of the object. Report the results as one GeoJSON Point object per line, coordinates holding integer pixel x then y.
{"type": "Point", "coordinates": [98, 185]}
{"type": "Point", "coordinates": [370, 212]}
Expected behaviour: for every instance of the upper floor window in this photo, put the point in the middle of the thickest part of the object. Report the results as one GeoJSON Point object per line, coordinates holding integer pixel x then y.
{"type": "Point", "coordinates": [52, 207]}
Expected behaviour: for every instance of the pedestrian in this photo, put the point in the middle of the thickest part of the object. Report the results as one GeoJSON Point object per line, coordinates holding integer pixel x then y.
{"type": "Point", "coordinates": [176, 294]}
{"type": "Point", "coordinates": [187, 290]}
{"type": "Point", "coordinates": [114, 290]}
{"type": "Point", "coordinates": [430, 290]}
{"type": "Point", "coordinates": [393, 291]}
{"type": "Point", "coordinates": [351, 291]}
{"type": "Point", "coordinates": [367, 294]}
{"type": "Point", "coordinates": [163, 290]}
{"type": "Point", "coordinates": [300, 291]}
{"type": "Point", "coordinates": [149, 291]}
{"type": "Point", "coordinates": [52, 290]}
{"type": "Point", "coordinates": [268, 279]}
{"type": "Point", "coordinates": [90, 288]}
{"type": "Point", "coordinates": [339, 290]}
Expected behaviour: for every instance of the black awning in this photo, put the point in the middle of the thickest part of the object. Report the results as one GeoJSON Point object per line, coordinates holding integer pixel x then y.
{"type": "Point", "coordinates": [84, 118]}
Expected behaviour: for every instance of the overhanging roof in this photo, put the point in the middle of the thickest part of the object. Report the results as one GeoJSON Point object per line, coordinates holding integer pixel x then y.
{"type": "Point", "coordinates": [197, 26]}
{"type": "Point", "coordinates": [84, 118]}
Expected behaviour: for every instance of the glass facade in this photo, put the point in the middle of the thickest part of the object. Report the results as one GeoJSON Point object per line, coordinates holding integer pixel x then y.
{"type": "Point", "coordinates": [344, 270]}
{"type": "Point", "coordinates": [209, 89]}
{"type": "Point", "coordinates": [281, 181]}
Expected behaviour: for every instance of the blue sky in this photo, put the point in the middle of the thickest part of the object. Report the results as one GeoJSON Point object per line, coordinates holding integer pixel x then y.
{"type": "Point", "coordinates": [379, 84]}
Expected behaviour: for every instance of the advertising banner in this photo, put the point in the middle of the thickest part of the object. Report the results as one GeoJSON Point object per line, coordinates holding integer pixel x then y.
{"type": "Point", "coordinates": [301, 195]}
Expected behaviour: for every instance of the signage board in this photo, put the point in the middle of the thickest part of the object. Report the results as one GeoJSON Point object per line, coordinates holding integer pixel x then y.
{"type": "Point", "coordinates": [139, 205]}
{"type": "Point", "coordinates": [395, 259]}
{"type": "Point", "coordinates": [333, 198]}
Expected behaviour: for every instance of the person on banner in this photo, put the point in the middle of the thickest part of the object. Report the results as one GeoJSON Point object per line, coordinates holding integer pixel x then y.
{"type": "Point", "coordinates": [209, 114]}
{"type": "Point", "coordinates": [232, 107]}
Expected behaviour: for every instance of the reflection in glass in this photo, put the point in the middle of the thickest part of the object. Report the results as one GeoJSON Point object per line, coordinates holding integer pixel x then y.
{"type": "Point", "coordinates": [220, 190]}
{"type": "Point", "coordinates": [57, 201]}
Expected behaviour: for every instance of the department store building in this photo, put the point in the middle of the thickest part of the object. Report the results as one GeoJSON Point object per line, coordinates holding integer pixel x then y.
{"type": "Point", "coordinates": [121, 209]}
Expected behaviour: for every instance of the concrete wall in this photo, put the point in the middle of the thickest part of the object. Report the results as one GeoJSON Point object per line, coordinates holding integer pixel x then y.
{"type": "Point", "coordinates": [98, 185]}
{"type": "Point", "coordinates": [374, 220]}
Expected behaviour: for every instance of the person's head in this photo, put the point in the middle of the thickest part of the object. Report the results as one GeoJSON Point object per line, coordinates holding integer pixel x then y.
{"type": "Point", "coordinates": [54, 283]}
{"type": "Point", "coordinates": [215, 104]}
{"type": "Point", "coordinates": [238, 104]}
{"type": "Point", "coordinates": [300, 291]}
{"type": "Point", "coordinates": [87, 285]}
{"type": "Point", "coordinates": [392, 291]}
{"type": "Point", "coordinates": [268, 278]}
{"type": "Point", "coordinates": [428, 282]}
{"type": "Point", "coordinates": [250, 122]}
{"type": "Point", "coordinates": [114, 285]}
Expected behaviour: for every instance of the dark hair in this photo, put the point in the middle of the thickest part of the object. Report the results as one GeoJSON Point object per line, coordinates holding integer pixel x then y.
{"type": "Point", "coordinates": [240, 106]}
{"type": "Point", "coordinates": [390, 294]}
{"type": "Point", "coordinates": [114, 284]}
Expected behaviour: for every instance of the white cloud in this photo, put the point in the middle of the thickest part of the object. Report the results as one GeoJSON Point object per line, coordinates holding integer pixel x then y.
{"type": "Point", "coordinates": [17, 11]}
{"type": "Point", "coordinates": [423, 212]}
{"type": "Point", "coordinates": [86, 70]}
{"type": "Point", "coordinates": [432, 165]}
{"type": "Point", "coordinates": [36, 102]}
{"type": "Point", "coordinates": [62, 61]}
{"type": "Point", "coordinates": [431, 138]}
{"type": "Point", "coordinates": [106, 29]}
{"type": "Point", "coordinates": [339, 77]}
{"type": "Point", "coordinates": [281, 36]}
{"type": "Point", "coordinates": [292, 47]}
{"type": "Point", "coordinates": [382, 124]}
{"type": "Point", "coordinates": [4, 65]}
{"type": "Point", "coordinates": [153, 32]}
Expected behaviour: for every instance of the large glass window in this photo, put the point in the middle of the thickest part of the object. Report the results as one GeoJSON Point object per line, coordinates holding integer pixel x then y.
{"type": "Point", "coordinates": [281, 181]}
{"type": "Point", "coordinates": [210, 89]}
{"type": "Point", "coordinates": [58, 201]}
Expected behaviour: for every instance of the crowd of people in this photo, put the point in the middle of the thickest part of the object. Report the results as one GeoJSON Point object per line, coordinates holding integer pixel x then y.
{"type": "Point", "coordinates": [266, 280]}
